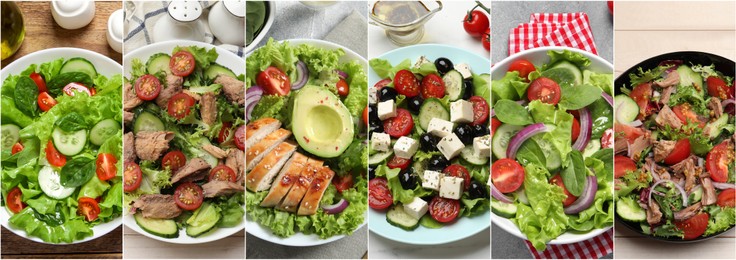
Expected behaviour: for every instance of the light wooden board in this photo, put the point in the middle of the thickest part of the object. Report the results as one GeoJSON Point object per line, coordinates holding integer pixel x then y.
{"type": "Point", "coordinates": [675, 15]}
{"type": "Point", "coordinates": [137, 246]}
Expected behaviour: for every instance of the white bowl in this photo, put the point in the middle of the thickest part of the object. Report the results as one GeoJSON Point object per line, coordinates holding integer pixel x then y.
{"type": "Point", "coordinates": [266, 27]}
{"type": "Point", "coordinates": [537, 57]}
{"type": "Point", "coordinates": [105, 66]}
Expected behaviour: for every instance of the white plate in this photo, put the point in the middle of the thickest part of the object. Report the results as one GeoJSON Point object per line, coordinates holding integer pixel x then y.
{"type": "Point", "coordinates": [105, 66]}
{"type": "Point", "coordinates": [301, 239]}
{"type": "Point", "coordinates": [538, 56]}
{"type": "Point", "coordinates": [225, 58]}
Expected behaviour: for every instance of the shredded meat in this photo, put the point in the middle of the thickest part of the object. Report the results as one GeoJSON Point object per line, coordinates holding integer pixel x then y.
{"type": "Point", "coordinates": [221, 188]}
{"type": "Point", "coordinates": [195, 169]}
{"type": "Point", "coordinates": [687, 168]}
{"type": "Point", "coordinates": [662, 149]}
{"type": "Point", "coordinates": [716, 109]}
{"type": "Point", "coordinates": [208, 108]}
{"type": "Point", "coordinates": [157, 206]}
{"type": "Point", "coordinates": [667, 117]}
{"type": "Point", "coordinates": [235, 160]}
{"type": "Point", "coordinates": [688, 212]}
{"type": "Point", "coordinates": [128, 117]}
{"type": "Point", "coordinates": [653, 169]}
{"type": "Point", "coordinates": [709, 192]}
{"type": "Point", "coordinates": [666, 93]}
{"type": "Point", "coordinates": [639, 145]}
{"type": "Point", "coordinates": [131, 99]}
{"type": "Point", "coordinates": [150, 145]}
{"type": "Point", "coordinates": [654, 215]}
{"type": "Point", "coordinates": [214, 151]}
{"type": "Point", "coordinates": [173, 87]}
{"type": "Point", "coordinates": [233, 88]}
{"type": "Point", "coordinates": [129, 144]}
{"type": "Point", "coordinates": [672, 79]}
{"type": "Point", "coordinates": [620, 145]}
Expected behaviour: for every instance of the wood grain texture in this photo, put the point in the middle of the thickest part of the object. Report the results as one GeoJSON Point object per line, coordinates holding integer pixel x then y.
{"type": "Point", "coordinates": [138, 246]}
{"type": "Point", "coordinates": [630, 245]}
{"type": "Point", "coordinates": [675, 16]}
{"type": "Point", "coordinates": [42, 32]}
{"type": "Point", "coordinates": [109, 246]}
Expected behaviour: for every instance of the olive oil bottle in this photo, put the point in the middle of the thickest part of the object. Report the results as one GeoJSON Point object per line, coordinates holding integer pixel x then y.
{"type": "Point", "coordinates": [13, 30]}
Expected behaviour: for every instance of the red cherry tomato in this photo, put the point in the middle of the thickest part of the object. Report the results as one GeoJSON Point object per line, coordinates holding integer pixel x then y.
{"type": "Point", "coordinates": [622, 164]}
{"type": "Point", "coordinates": [575, 129]}
{"type": "Point", "coordinates": [475, 23]}
{"type": "Point", "coordinates": [132, 176]}
{"type": "Point", "coordinates": [106, 168]}
{"type": "Point", "coordinates": [45, 101]}
{"type": "Point", "coordinates": [495, 123]}
{"type": "Point", "coordinates": [17, 148]}
{"type": "Point", "coordinates": [40, 82]}
{"type": "Point", "coordinates": [400, 125]}
{"type": "Point", "coordinates": [524, 67]}
{"type": "Point", "coordinates": [223, 173]}
{"type": "Point", "coordinates": [382, 83]}
{"type": "Point", "coordinates": [507, 175]}
{"type": "Point", "coordinates": [569, 199]}
{"type": "Point", "coordinates": [398, 162]}
{"type": "Point", "coordinates": [224, 132]}
{"type": "Point", "coordinates": [240, 137]}
{"type": "Point", "coordinates": [444, 210]}
{"type": "Point", "coordinates": [727, 198]}
{"type": "Point", "coordinates": [433, 86]}
{"type": "Point", "coordinates": [53, 156]}
{"type": "Point", "coordinates": [182, 64]}
{"type": "Point", "coordinates": [343, 89]}
{"type": "Point", "coordinates": [343, 183]}
{"type": "Point", "coordinates": [480, 110]}
{"type": "Point", "coordinates": [406, 83]}
{"type": "Point", "coordinates": [679, 153]}
{"type": "Point", "coordinates": [379, 196]}
{"type": "Point", "coordinates": [188, 196]}
{"type": "Point", "coordinates": [718, 88]}
{"type": "Point", "coordinates": [718, 160]}
{"type": "Point", "coordinates": [88, 208]}
{"type": "Point", "coordinates": [147, 87]}
{"type": "Point", "coordinates": [486, 40]}
{"type": "Point", "coordinates": [642, 94]}
{"type": "Point", "coordinates": [274, 81]}
{"type": "Point", "coordinates": [174, 160]}
{"type": "Point", "coordinates": [693, 227]}
{"type": "Point", "coordinates": [456, 170]}
{"type": "Point", "coordinates": [545, 90]}
{"type": "Point", "coordinates": [365, 115]}
{"type": "Point", "coordinates": [179, 106]}
{"type": "Point", "coordinates": [14, 200]}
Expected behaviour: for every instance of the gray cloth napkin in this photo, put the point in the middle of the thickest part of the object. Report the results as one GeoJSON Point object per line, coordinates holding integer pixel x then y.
{"type": "Point", "coordinates": [345, 33]}
{"type": "Point", "coordinates": [350, 247]}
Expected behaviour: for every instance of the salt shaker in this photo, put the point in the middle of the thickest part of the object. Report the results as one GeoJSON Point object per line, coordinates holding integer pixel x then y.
{"type": "Point", "coordinates": [115, 30]}
{"type": "Point", "coordinates": [182, 22]}
{"type": "Point", "coordinates": [226, 21]}
{"type": "Point", "coordinates": [73, 14]}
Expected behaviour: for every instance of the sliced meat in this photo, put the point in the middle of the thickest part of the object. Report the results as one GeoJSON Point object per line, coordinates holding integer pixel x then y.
{"type": "Point", "coordinates": [667, 117]}
{"type": "Point", "coordinates": [215, 151]}
{"type": "Point", "coordinates": [236, 161]}
{"type": "Point", "coordinates": [620, 145]}
{"type": "Point", "coordinates": [128, 117]}
{"type": "Point", "coordinates": [234, 89]}
{"type": "Point", "coordinates": [157, 206]}
{"type": "Point", "coordinates": [173, 87]}
{"type": "Point", "coordinates": [195, 169]}
{"type": "Point", "coordinates": [255, 131]}
{"type": "Point", "coordinates": [221, 188]}
{"type": "Point", "coordinates": [129, 144]}
{"type": "Point", "coordinates": [709, 192]}
{"type": "Point", "coordinates": [662, 149]}
{"type": "Point", "coordinates": [310, 202]}
{"type": "Point", "coordinates": [130, 98]}
{"type": "Point", "coordinates": [256, 153]}
{"type": "Point", "coordinates": [654, 215]}
{"type": "Point", "coordinates": [654, 169]}
{"type": "Point", "coordinates": [672, 79]}
{"type": "Point", "coordinates": [262, 175]}
{"type": "Point", "coordinates": [285, 180]}
{"type": "Point", "coordinates": [639, 145]}
{"type": "Point", "coordinates": [687, 168]}
{"type": "Point", "coordinates": [666, 93]}
{"type": "Point", "coordinates": [716, 109]}
{"type": "Point", "coordinates": [688, 212]}
{"type": "Point", "coordinates": [295, 195]}
{"type": "Point", "coordinates": [150, 145]}
{"type": "Point", "coordinates": [208, 108]}
{"type": "Point", "coordinates": [195, 96]}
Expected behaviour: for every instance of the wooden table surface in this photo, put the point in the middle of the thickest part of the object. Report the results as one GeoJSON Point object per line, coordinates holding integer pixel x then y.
{"type": "Point", "coordinates": [109, 246]}
{"type": "Point", "coordinates": [42, 32]}
{"type": "Point", "coordinates": [640, 33]}
{"type": "Point", "coordinates": [138, 246]}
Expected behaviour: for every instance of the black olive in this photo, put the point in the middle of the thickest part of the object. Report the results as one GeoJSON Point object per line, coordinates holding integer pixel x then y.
{"type": "Point", "coordinates": [437, 163]}
{"type": "Point", "coordinates": [371, 172]}
{"type": "Point", "coordinates": [465, 133]}
{"type": "Point", "coordinates": [375, 128]}
{"type": "Point", "coordinates": [387, 93]}
{"type": "Point", "coordinates": [408, 179]}
{"type": "Point", "coordinates": [373, 114]}
{"type": "Point", "coordinates": [428, 142]}
{"type": "Point", "coordinates": [481, 130]}
{"type": "Point", "coordinates": [477, 190]}
{"type": "Point", "coordinates": [443, 65]}
{"type": "Point", "coordinates": [415, 104]}
{"type": "Point", "coordinates": [469, 89]}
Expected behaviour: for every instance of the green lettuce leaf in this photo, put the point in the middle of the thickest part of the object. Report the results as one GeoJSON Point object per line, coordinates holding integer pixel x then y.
{"type": "Point", "coordinates": [544, 219]}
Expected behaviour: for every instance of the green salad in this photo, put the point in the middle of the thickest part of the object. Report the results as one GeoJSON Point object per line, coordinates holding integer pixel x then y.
{"type": "Point", "coordinates": [552, 147]}
{"type": "Point", "coordinates": [61, 149]}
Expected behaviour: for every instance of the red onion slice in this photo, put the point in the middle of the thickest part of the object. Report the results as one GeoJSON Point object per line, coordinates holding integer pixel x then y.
{"type": "Point", "coordinates": [522, 136]}
{"type": "Point", "coordinates": [608, 98]}
{"type": "Point", "coordinates": [583, 202]}
{"type": "Point", "coordinates": [302, 75]}
{"type": "Point", "coordinates": [71, 89]}
{"type": "Point", "coordinates": [341, 74]}
{"type": "Point", "coordinates": [500, 196]}
{"type": "Point", "coordinates": [493, 113]}
{"type": "Point", "coordinates": [724, 185]}
{"type": "Point", "coordinates": [636, 123]}
{"type": "Point", "coordinates": [249, 110]}
{"type": "Point", "coordinates": [727, 102]}
{"type": "Point", "coordinates": [679, 188]}
{"type": "Point", "coordinates": [586, 130]}
{"type": "Point", "coordinates": [655, 175]}
{"type": "Point", "coordinates": [337, 207]}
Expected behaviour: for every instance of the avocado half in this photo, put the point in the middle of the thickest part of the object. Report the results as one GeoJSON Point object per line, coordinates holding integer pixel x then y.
{"type": "Point", "coordinates": [321, 123]}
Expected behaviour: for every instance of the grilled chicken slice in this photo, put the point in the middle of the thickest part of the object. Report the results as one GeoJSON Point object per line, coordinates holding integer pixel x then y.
{"type": "Point", "coordinates": [262, 175]}
{"type": "Point", "coordinates": [157, 206]}
{"type": "Point", "coordinates": [285, 180]}
{"type": "Point", "coordinates": [259, 129]}
{"type": "Point", "coordinates": [195, 169]}
{"type": "Point", "coordinates": [316, 190]}
{"type": "Point", "coordinates": [256, 153]}
{"type": "Point", "coordinates": [221, 188]}
{"type": "Point", "coordinates": [300, 187]}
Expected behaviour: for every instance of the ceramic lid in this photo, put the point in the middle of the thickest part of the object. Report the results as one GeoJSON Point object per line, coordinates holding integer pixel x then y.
{"type": "Point", "coordinates": [116, 24]}
{"type": "Point", "coordinates": [235, 7]}
{"type": "Point", "coordinates": [185, 11]}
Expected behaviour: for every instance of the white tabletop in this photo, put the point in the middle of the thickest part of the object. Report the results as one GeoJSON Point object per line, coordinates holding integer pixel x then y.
{"type": "Point", "coordinates": [138, 246]}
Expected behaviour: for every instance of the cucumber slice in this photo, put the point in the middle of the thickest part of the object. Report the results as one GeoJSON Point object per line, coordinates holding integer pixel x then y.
{"type": "Point", "coordinates": [468, 154]}
{"type": "Point", "coordinates": [714, 127]}
{"type": "Point", "coordinates": [50, 183]}
{"type": "Point", "coordinates": [379, 157]}
{"type": "Point", "coordinates": [432, 108]}
{"type": "Point", "coordinates": [398, 217]}
{"type": "Point", "coordinates": [216, 69]}
{"type": "Point", "coordinates": [573, 70]}
{"type": "Point", "coordinates": [630, 210]}
{"type": "Point", "coordinates": [695, 195]}
{"type": "Point", "coordinates": [69, 144]}
{"type": "Point", "coordinates": [165, 228]}
{"type": "Point", "coordinates": [10, 136]}
{"type": "Point", "coordinates": [626, 109]}
{"type": "Point", "coordinates": [552, 156]}
{"type": "Point", "coordinates": [501, 209]}
{"type": "Point", "coordinates": [419, 168]}
{"type": "Point", "coordinates": [501, 138]}
{"type": "Point", "coordinates": [103, 130]}
{"type": "Point", "coordinates": [204, 219]}
{"type": "Point", "coordinates": [688, 77]}
{"type": "Point", "coordinates": [521, 196]}
{"type": "Point", "coordinates": [454, 86]}
{"type": "Point", "coordinates": [593, 146]}
{"type": "Point", "coordinates": [157, 63]}
{"type": "Point", "coordinates": [147, 121]}
{"type": "Point", "coordinates": [79, 65]}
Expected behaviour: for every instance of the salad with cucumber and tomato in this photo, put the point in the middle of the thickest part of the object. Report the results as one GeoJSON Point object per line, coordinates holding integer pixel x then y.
{"type": "Point", "coordinates": [429, 142]}
{"type": "Point", "coordinates": [61, 149]}
{"type": "Point", "coordinates": [552, 145]}
{"type": "Point", "coordinates": [184, 141]}
{"type": "Point", "coordinates": [306, 153]}
{"type": "Point", "coordinates": [675, 162]}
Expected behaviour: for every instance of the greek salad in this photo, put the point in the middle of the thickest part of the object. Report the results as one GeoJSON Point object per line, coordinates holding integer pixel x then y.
{"type": "Point", "coordinates": [552, 145]}
{"type": "Point", "coordinates": [675, 151]}
{"type": "Point", "coordinates": [61, 149]}
{"type": "Point", "coordinates": [429, 142]}
{"type": "Point", "coordinates": [306, 153]}
{"type": "Point", "coordinates": [184, 141]}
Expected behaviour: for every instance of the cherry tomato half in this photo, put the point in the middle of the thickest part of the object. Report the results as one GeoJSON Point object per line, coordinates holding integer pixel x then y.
{"type": "Point", "coordinates": [480, 110]}
{"type": "Point", "coordinates": [693, 227]}
{"type": "Point", "coordinates": [433, 86]}
{"type": "Point", "coordinates": [398, 162]}
{"type": "Point", "coordinates": [718, 88]}
{"type": "Point", "coordinates": [379, 196]}
{"type": "Point", "coordinates": [545, 90]}
{"type": "Point", "coordinates": [17, 148]}
{"type": "Point", "coordinates": [523, 66]}
{"type": "Point", "coordinates": [40, 82]}
{"type": "Point", "coordinates": [174, 160]}
{"type": "Point", "coordinates": [240, 137]}
{"type": "Point", "coordinates": [132, 176]}
{"type": "Point", "coordinates": [147, 87]}
{"type": "Point", "coordinates": [343, 89]}
{"type": "Point", "coordinates": [343, 183]}
{"type": "Point", "coordinates": [406, 83]}
{"type": "Point", "coordinates": [400, 125]}
{"type": "Point", "coordinates": [182, 63]}
{"type": "Point", "coordinates": [444, 210]}
{"type": "Point", "coordinates": [45, 101]}
{"type": "Point", "coordinates": [727, 198]}
{"type": "Point", "coordinates": [717, 161]}
{"type": "Point", "coordinates": [53, 156]}
{"type": "Point", "coordinates": [179, 105]}
{"type": "Point", "coordinates": [223, 173]}
{"type": "Point", "coordinates": [274, 81]}
{"type": "Point", "coordinates": [106, 168]}
{"type": "Point", "coordinates": [557, 180]}
{"type": "Point", "coordinates": [188, 196]}
{"type": "Point", "coordinates": [15, 200]}
{"type": "Point", "coordinates": [88, 208]}
{"type": "Point", "coordinates": [507, 175]}
{"type": "Point", "coordinates": [622, 164]}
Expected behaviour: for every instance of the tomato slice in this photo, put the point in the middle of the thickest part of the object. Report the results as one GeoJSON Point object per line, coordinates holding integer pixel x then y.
{"type": "Point", "coordinates": [406, 83]}
{"type": "Point", "coordinates": [685, 114]}
{"type": "Point", "coordinates": [544, 90]}
{"type": "Point", "coordinates": [53, 156]}
{"type": "Point", "coordinates": [366, 113]}
{"type": "Point", "coordinates": [40, 82]}
{"type": "Point", "coordinates": [523, 66]}
{"type": "Point", "coordinates": [433, 86]}
{"type": "Point", "coordinates": [456, 170]}
{"type": "Point", "coordinates": [132, 177]}
{"type": "Point", "coordinates": [507, 175]}
{"type": "Point", "coordinates": [495, 123]}
{"type": "Point", "coordinates": [718, 159]}
{"type": "Point", "coordinates": [575, 130]}
{"type": "Point", "coordinates": [224, 132]}
{"type": "Point", "coordinates": [444, 210]}
{"type": "Point", "coordinates": [14, 200]}
{"type": "Point", "coordinates": [274, 81]}
{"type": "Point", "coordinates": [622, 164]}
{"type": "Point", "coordinates": [679, 153]}
{"type": "Point", "coordinates": [223, 173]}
{"type": "Point", "coordinates": [379, 196]}
{"type": "Point", "coordinates": [71, 89]}
{"type": "Point", "coordinates": [480, 110]}
{"type": "Point", "coordinates": [727, 198]}
{"type": "Point", "coordinates": [718, 88]}
{"type": "Point", "coordinates": [179, 106]}
{"type": "Point", "coordinates": [400, 125]}
{"type": "Point", "coordinates": [382, 83]}
{"type": "Point", "coordinates": [569, 199]}
{"type": "Point", "coordinates": [693, 227]}
{"type": "Point", "coordinates": [641, 94]}
{"type": "Point", "coordinates": [174, 160]}
{"type": "Point", "coordinates": [343, 183]}
{"type": "Point", "coordinates": [240, 137]}
{"type": "Point", "coordinates": [343, 89]}
{"type": "Point", "coordinates": [188, 196]}
{"type": "Point", "coordinates": [17, 147]}
{"type": "Point", "coordinates": [182, 63]}
{"type": "Point", "coordinates": [629, 132]}
{"type": "Point", "coordinates": [88, 208]}
{"type": "Point", "coordinates": [106, 166]}
{"type": "Point", "coordinates": [45, 101]}
{"type": "Point", "coordinates": [607, 139]}
{"type": "Point", "coordinates": [147, 87]}
{"type": "Point", "coordinates": [398, 162]}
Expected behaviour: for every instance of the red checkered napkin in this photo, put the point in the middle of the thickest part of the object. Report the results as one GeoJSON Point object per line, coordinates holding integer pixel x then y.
{"type": "Point", "coordinates": [525, 36]}
{"type": "Point", "coordinates": [594, 248]}
{"type": "Point", "coordinates": [553, 29]}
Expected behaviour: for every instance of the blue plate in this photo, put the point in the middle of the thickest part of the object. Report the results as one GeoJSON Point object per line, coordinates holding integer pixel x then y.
{"type": "Point", "coordinates": [464, 226]}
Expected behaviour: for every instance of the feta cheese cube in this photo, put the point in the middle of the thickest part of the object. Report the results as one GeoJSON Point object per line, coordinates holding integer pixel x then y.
{"type": "Point", "coordinates": [405, 147]}
{"type": "Point", "coordinates": [372, 96]}
{"type": "Point", "coordinates": [464, 70]}
{"type": "Point", "coordinates": [439, 127]}
{"type": "Point", "coordinates": [451, 187]}
{"type": "Point", "coordinates": [421, 61]}
{"type": "Point", "coordinates": [416, 208]}
{"type": "Point", "coordinates": [461, 111]}
{"type": "Point", "coordinates": [482, 146]}
{"type": "Point", "coordinates": [450, 146]}
{"type": "Point", "coordinates": [431, 180]}
{"type": "Point", "coordinates": [386, 109]}
{"type": "Point", "coordinates": [380, 142]}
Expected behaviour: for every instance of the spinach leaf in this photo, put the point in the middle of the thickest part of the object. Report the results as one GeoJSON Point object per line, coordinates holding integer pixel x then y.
{"type": "Point", "coordinates": [11, 113]}
{"type": "Point", "coordinates": [601, 113]}
{"type": "Point", "coordinates": [26, 96]}
{"type": "Point", "coordinates": [77, 172]}
{"type": "Point", "coordinates": [511, 112]}
{"type": "Point", "coordinates": [71, 122]}
{"type": "Point", "coordinates": [255, 16]}
{"type": "Point", "coordinates": [57, 84]}
{"type": "Point", "coordinates": [562, 76]}
{"type": "Point", "coordinates": [530, 152]}
{"type": "Point", "coordinates": [56, 219]}
{"type": "Point", "coordinates": [574, 173]}
{"type": "Point", "coordinates": [579, 96]}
